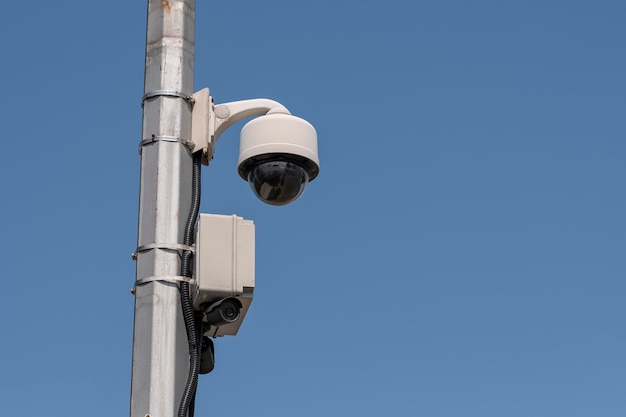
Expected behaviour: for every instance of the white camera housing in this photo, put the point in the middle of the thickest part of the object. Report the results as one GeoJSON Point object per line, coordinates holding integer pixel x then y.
{"type": "Point", "coordinates": [278, 156]}
{"type": "Point", "coordinates": [224, 266]}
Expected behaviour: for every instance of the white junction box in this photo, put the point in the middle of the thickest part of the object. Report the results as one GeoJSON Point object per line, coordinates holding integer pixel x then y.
{"type": "Point", "coordinates": [224, 265]}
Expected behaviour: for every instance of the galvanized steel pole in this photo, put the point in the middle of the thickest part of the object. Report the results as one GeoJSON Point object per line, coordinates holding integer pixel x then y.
{"type": "Point", "coordinates": [160, 351]}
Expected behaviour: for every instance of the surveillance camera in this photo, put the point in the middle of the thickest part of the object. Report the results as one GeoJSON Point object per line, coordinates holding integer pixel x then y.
{"type": "Point", "coordinates": [278, 157]}
{"type": "Point", "coordinates": [223, 312]}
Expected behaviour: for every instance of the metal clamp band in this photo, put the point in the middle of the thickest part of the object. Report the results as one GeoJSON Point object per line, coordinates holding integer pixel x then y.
{"type": "Point", "coordinates": [175, 279]}
{"type": "Point", "coordinates": [166, 246]}
{"type": "Point", "coordinates": [171, 246]}
{"type": "Point", "coordinates": [156, 138]}
{"type": "Point", "coordinates": [167, 93]}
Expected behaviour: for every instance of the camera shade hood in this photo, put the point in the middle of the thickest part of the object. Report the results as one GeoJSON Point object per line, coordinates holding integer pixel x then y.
{"type": "Point", "coordinates": [279, 134]}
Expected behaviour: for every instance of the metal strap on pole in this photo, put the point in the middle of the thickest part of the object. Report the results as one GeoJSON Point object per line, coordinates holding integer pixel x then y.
{"type": "Point", "coordinates": [163, 138]}
{"type": "Point", "coordinates": [169, 246]}
{"type": "Point", "coordinates": [170, 278]}
{"type": "Point", "coordinates": [163, 246]}
{"type": "Point", "coordinates": [166, 93]}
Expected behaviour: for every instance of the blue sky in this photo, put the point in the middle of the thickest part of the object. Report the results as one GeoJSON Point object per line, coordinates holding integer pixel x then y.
{"type": "Point", "coordinates": [460, 254]}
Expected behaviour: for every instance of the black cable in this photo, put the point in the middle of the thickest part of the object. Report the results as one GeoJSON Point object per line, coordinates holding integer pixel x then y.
{"type": "Point", "coordinates": [194, 357]}
{"type": "Point", "coordinates": [192, 403]}
{"type": "Point", "coordinates": [187, 402]}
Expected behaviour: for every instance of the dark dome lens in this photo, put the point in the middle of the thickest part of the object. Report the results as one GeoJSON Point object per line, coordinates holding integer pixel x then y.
{"type": "Point", "coordinates": [278, 182]}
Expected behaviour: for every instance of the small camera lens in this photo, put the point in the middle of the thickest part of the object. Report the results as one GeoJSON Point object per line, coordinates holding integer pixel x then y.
{"type": "Point", "coordinates": [230, 311]}
{"type": "Point", "coordinates": [226, 311]}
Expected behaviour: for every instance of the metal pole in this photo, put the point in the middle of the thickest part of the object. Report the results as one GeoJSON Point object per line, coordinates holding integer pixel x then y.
{"type": "Point", "coordinates": [160, 351]}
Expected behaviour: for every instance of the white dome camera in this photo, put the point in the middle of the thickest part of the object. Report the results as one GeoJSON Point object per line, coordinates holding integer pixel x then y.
{"type": "Point", "coordinates": [278, 156]}
{"type": "Point", "coordinates": [277, 153]}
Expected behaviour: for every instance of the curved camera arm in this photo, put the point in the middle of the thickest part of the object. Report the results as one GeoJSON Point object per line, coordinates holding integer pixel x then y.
{"type": "Point", "coordinates": [210, 121]}
{"type": "Point", "coordinates": [228, 114]}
